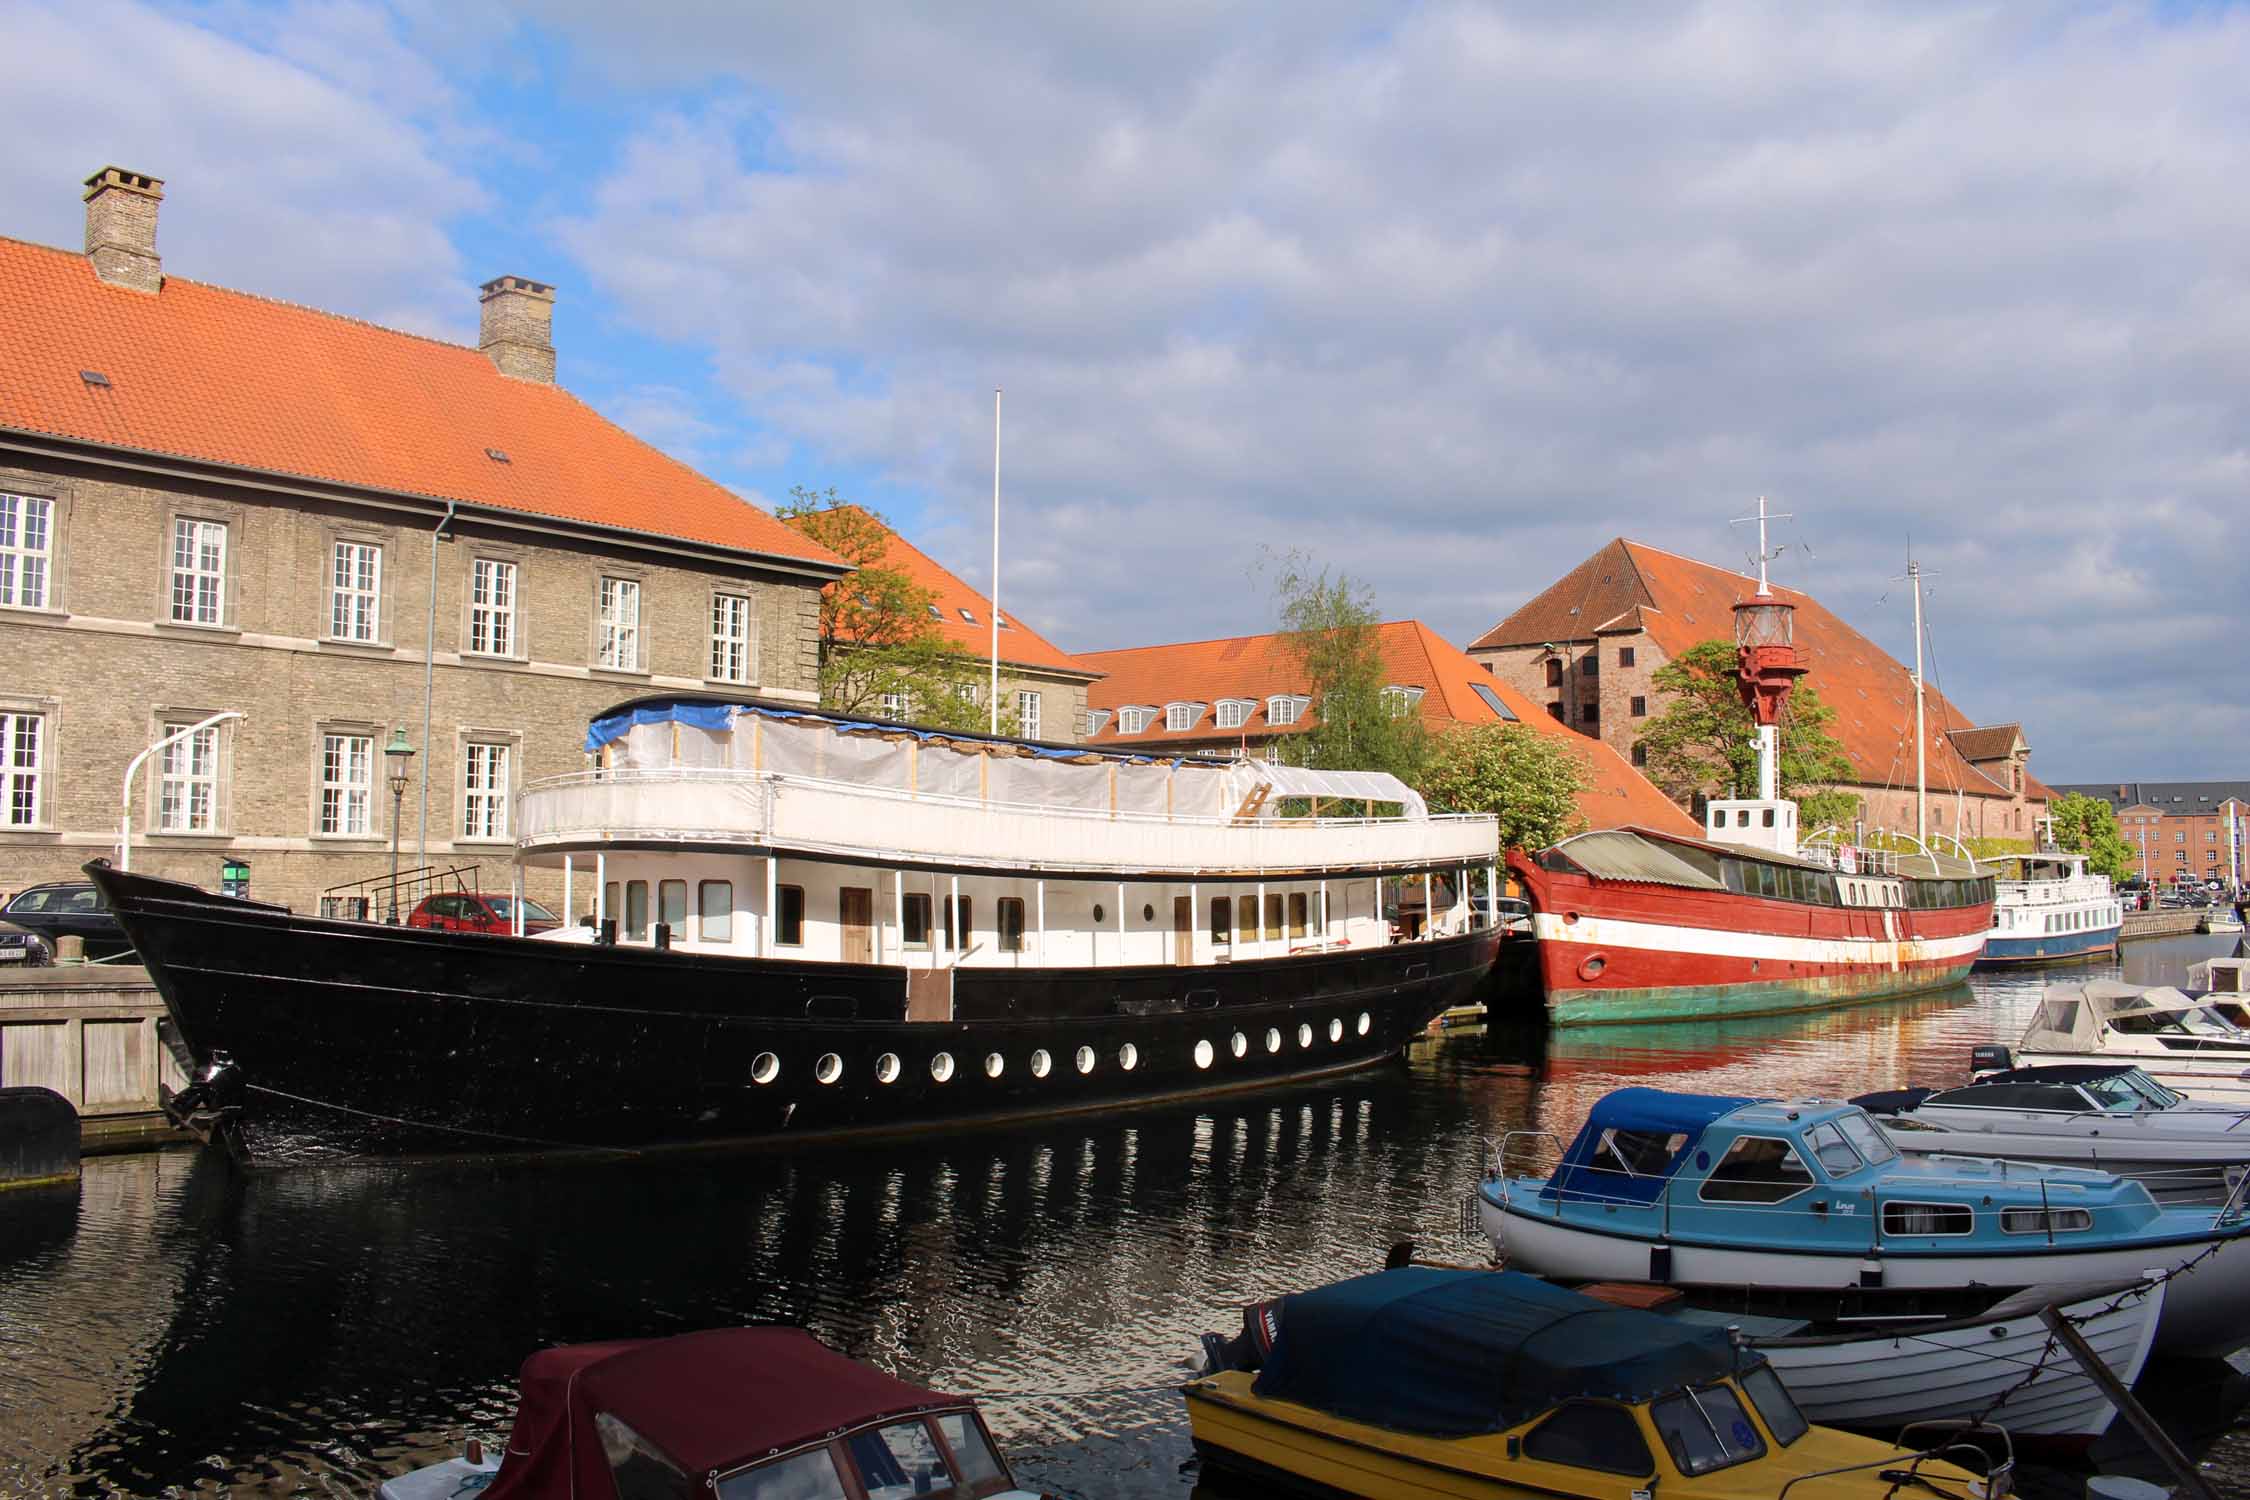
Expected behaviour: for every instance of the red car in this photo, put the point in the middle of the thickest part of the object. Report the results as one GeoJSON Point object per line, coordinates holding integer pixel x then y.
{"type": "Point", "coordinates": [475, 911]}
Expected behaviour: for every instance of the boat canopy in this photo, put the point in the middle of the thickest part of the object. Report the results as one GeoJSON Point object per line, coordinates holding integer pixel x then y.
{"type": "Point", "coordinates": [1459, 1353]}
{"type": "Point", "coordinates": [2075, 1017]}
{"type": "Point", "coordinates": [1344, 786]}
{"type": "Point", "coordinates": [708, 1402]}
{"type": "Point", "coordinates": [1631, 1141]}
{"type": "Point", "coordinates": [1621, 854]}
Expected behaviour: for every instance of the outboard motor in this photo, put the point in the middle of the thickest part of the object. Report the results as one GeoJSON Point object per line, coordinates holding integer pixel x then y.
{"type": "Point", "coordinates": [1990, 1058]}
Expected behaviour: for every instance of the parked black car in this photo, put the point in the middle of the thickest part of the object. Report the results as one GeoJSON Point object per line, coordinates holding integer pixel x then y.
{"type": "Point", "coordinates": [21, 948]}
{"type": "Point", "coordinates": [68, 908]}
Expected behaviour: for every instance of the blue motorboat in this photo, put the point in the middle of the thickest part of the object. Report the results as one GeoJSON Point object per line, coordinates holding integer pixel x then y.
{"type": "Point", "coordinates": [1809, 1198]}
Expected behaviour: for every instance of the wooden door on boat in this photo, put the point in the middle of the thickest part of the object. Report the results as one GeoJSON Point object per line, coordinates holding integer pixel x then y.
{"type": "Point", "coordinates": [1183, 930]}
{"type": "Point", "coordinates": [855, 913]}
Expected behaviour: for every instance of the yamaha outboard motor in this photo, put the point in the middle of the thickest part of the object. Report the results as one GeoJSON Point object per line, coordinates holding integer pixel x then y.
{"type": "Point", "coordinates": [1990, 1058]}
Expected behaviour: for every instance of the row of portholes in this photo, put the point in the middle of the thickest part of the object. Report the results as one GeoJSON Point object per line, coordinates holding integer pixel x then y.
{"type": "Point", "coordinates": [766, 1067]}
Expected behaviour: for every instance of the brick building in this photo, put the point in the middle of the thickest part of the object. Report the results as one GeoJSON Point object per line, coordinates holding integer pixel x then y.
{"type": "Point", "coordinates": [1043, 686]}
{"type": "Point", "coordinates": [1587, 649]}
{"type": "Point", "coordinates": [2180, 830]}
{"type": "Point", "coordinates": [1244, 693]}
{"type": "Point", "coordinates": [214, 501]}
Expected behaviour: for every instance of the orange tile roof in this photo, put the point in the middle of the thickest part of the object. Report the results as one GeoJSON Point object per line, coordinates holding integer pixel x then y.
{"type": "Point", "coordinates": [222, 377]}
{"type": "Point", "coordinates": [1019, 643]}
{"type": "Point", "coordinates": [1257, 667]}
{"type": "Point", "coordinates": [1680, 602]}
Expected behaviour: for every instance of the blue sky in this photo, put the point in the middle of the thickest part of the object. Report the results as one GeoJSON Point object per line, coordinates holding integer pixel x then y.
{"type": "Point", "coordinates": [1448, 294]}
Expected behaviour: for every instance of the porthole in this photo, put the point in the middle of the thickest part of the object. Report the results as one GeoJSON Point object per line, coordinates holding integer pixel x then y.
{"type": "Point", "coordinates": [941, 1066]}
{"type": "Point", "coordinates": [1336, 1030]}
{"type": "Point", "coordinates": [1304, 1034]}
{"type": "Point", "coordinates": [1365, 1021]}
{"type": "Point", "coordinates": [1273, 1039]}
{"type": "Point", "coordinates": [994, 1065]}
{"type": "Point", "coordinates": [887, 1068]}
{"type": "Point", "coordinates": [829, 1068]}
{"type": "Point", "coordinates": [1085, 1059]}
{"type": "Point", "coordinates": [765, 1068]}
{"type": "Point", "coordinates": [1203, 1054]}
{"type": "Point", "coordinates": [1148, 913]}
{"type": "Point", "coordinates": [1593, 965]}
{"type": "Point", "coordinates": [1097, 911]}
{"type": "Point", "coordinates": [1041, 1063]}
{"type": "Point", "coordinates": [1128, 1057]}
{"type": "Point", "coordinates": [1238, 1044]}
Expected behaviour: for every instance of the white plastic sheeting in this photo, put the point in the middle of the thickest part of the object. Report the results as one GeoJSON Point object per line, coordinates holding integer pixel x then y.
{"type": "Point", "coordinates": [1343, 786]}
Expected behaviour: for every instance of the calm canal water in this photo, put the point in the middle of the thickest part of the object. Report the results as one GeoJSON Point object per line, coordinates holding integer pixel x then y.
{"type": "Point", "coordinates": [180, 1328]}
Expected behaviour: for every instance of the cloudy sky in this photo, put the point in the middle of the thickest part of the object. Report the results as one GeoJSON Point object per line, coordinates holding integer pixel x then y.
{"type": "Point", "coordinates": [1448, 294]}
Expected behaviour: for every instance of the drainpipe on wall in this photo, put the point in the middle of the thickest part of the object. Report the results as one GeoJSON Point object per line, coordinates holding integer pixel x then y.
{"type": "Point", "coordinates": [429, 674]}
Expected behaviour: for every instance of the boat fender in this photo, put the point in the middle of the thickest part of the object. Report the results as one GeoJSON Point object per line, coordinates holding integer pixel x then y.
{"type": "Point", "coordinates": [1870, 1273]}
{"type": "Point", "coordinates": [1660, 1262]}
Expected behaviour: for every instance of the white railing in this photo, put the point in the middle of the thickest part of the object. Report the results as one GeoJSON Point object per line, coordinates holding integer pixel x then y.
{"type": "Point", "coordinates": [1851, 858]}
{"type": "Point", "coordinates": [814, 816]}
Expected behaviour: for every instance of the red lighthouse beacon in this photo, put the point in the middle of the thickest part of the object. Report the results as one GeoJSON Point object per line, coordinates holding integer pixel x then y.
{"type": "Point", "coordinates": [1767, 665]}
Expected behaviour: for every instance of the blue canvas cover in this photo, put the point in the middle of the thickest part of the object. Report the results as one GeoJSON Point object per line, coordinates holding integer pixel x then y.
{"type": "Point", "coordinates": [1458, 1353]}
{"type": "Point", "coordinates": [1588, 1171]}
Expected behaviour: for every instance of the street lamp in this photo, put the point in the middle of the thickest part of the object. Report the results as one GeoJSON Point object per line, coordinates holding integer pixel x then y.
{"type": "Point", "coordinates": [398, 756]}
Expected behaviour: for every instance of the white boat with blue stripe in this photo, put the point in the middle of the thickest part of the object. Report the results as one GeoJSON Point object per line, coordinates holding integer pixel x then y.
{"type": "Point", "coordinates": [2048, 908]}
{"type": "Point", "coordinates": [1809, 1202]}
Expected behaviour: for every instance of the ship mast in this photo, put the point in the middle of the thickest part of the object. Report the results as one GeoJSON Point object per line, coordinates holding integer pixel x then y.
{"type": "Point", "coordinates": [1921, 736]}
{"type": "Point", "coordinates": [1766, 666]}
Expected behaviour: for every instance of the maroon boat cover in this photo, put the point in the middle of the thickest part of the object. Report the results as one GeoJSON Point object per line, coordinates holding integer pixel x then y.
{"type": "Point", "coordinates": [710, 1400]}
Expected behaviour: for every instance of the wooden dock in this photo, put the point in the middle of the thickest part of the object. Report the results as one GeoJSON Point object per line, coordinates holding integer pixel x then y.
{"type": "Point", "coordinates": [94, 1033]}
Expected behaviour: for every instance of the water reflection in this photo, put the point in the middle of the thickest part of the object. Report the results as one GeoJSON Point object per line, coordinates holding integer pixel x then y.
{"type": "Point", "coordinates": [186, 1326]}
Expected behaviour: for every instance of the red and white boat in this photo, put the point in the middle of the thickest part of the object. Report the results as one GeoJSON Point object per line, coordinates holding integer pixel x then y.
{"type": "Point", "coordinates": [1636, 925]}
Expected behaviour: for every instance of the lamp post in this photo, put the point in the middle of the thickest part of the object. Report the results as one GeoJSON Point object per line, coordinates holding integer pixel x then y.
{"type": "Point", "coordinates": [398, 755]}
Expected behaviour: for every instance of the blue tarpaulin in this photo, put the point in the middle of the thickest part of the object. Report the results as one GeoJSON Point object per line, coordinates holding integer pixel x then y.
{"type": "Point", "coordinates": [700, 715]}
{"type": "Point", "coordinates": [1457, 1353]}
{"type": "Point", "coordinates": [1589, 1170]}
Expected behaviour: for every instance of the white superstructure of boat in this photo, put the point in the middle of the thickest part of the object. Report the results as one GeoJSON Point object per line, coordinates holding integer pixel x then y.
{"type": "Point", "coordinates": [2048, 908]}
{"type": "Point", "coordinates": [2194, 1041]}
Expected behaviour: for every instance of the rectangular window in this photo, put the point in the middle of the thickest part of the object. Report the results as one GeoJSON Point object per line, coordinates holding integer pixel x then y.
{"type": "Point", "coordinates": [1246, 910]}
{"type": "Point", "coordinates": [1179, 715]}
{"type": "Point", "coordinates": [27, 524]}
{"type": "Point", "coordinates": [1625, 656]}
{"type": "Point", "coordinates": [199, 572]}
{"type": "Point", "coordinates": [1273, 919]}
{"type": "Point", "coordinates": [492, 607]}
{"type": "Point", "coordinates": [1554, 671]}
{"type": "Point", "coordinates": [355, 592]}
{"type": "Point", "coordinates": [1298, 906]}
{"type": "Point", "coordinates": [1554, 711]}
{"type": "Point", "coordinates": [187, 799]}
{"type": "Point", "coordinates": [1640, 755]}
{"type": "Point", "coordinates": [636, 910]}
{"type": "Point", "coordinates": [23, 741]}
{"type": "Point", "coordinates": [714, 911]}
{"type": "Point", "coordinates": [731, 644]}
{"type": "Point", "coordinates": [916, 915]}
{"type": "Point", "coordinates": [1222, 919]}
{"type": "Point", "coordinates": [789, 916]}
{"type": "Point", "coordinates": [1640, 707]}
{"type": "Point", "coordinates": [1589, 712]}
{"type": "Point", "coordinates": [609, 901]}
{"type": "Point", "coordinates": [484, 791]}
{"type": "Point", "coordinates": [1590, 663]}
{"type": "Point", "coordinates": [347, 784]}
{"type": "Point", "coordinates": [957, 932]}
{"type": "Point", "coordinates": [894, 705]}
{"type": "Point", "coordinates": [671, 905]}
{"type": "Point", "coordinates": [1011, 924]}
{"type": "Point", "coordinates": [1027, 714]}
{"type": "Point", "coordinates": [620, 622]}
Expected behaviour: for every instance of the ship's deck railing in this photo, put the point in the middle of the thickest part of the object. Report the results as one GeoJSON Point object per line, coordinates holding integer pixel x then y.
{"type": "Point", "coordinates": [1852, 859]}
{"type": "Point", "coordinates": [2066, 892]}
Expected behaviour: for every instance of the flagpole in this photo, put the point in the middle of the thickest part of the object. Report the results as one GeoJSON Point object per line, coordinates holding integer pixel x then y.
{"type": "Point", "coordinates": [995, 600]}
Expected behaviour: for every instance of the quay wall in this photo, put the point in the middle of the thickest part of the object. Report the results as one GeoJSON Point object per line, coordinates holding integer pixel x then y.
{"type": "Point", "coordinates": [95, 1034]}
{"type": "Point", "coordinates": [2148, 924]}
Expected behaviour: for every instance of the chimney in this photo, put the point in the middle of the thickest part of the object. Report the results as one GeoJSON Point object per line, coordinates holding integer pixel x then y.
{"type": "Point", "coordinates": [121, 228]}
{"type": "Point", "coordinates": [518, 329]}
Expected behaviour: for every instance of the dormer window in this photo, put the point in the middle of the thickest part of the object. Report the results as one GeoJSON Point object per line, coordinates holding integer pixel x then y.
{"type": "Point", "coordinates": [1286, 708]}
{"type": "Point", "coordinates": [1400, 701]}
{"type": "Point", "coordinates": [1092, 722]}
{"type": "Point", "coordinates": [1178, 716]}
{"type": "Point", "coordinates": [1235, 712]}
{"type": "Point", "coordinates": [1135, 719]}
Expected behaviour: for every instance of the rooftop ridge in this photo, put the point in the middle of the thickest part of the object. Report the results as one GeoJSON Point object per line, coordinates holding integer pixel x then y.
{"type": "Point", "coordinates": [1222, 640]}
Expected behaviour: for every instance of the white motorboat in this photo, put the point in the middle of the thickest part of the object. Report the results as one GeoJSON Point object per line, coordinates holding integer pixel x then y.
{"type": "Point", "coordinates": [2047, 908]}
{"type": "Point", "coordinates": [2194, 1041]}
{"type": "Point", "coordinates": [2109, 1116]}
{"type": "Point", "coordinates": [2219, 916]}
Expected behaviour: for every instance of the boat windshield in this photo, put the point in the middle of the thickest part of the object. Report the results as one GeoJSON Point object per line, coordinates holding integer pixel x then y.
{"type": "Point", "coordinates": [1783, 1420]}
{"type": "Point", "coordinates": [1863, 1133]}
{"type": "Point", "coordinates": [2148, 1088]}
{"type": "Point", "coordinates": [810, 1475]}
{"type": "Point", "coordinates": [1705, 1428]}
{"type": "Point", "coordinates": [2117, 1094]}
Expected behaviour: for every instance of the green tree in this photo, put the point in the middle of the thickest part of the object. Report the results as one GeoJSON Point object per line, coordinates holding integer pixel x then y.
{"type": "Point", "coordinates": [1530, 780]}
{"type": "Point", "coordinates": [1706, 741]}
{"type": "Point", "coordinates": [1331, 627]}
{"type": "Point", "coordinates": [878, 637]}
{"type": "Point", "coordinates": [2088, 826]}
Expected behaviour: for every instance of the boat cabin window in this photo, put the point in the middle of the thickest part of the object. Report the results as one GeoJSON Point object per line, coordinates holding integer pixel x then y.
{"type": "Point", "coordinates": [1928, 1218]}
{"type": "Point", "coordinates": [1783, 1420]}
{"type": "Point", "coordinates": [1865, 1134]}
{"type": "Point", "coordinates": [714, 911]}
{"type": "Point", "coordinates": [636, 910]}
{"type": "Point", "coordinates": [972, 1455]}
{"type": "Point", "coordinates": [610, 908]}
{"type": "Point", "coordinates": [1222, 919]}
{"type": "Point", "coordinates": [958, 924]}
{"type": "Point", "coordinates": [1297, 913]}
{"type": "Point", "coordinates": [2054, 1098]}
{"type": "Point", "coordinates": [1756, 1169]}
{"type": "Point", "coordinates": [1011, 924]}
{"type": "Point", "coordinates": [1832, 1151]}
{"type": "Point", "coordinates": [1273, 919]}
{"type": "Point", "coordinates": [1637, 1153]}
{"type": "Point", "coordinates": [916, 920]}
{"type": "Point", "coordinates": [899, 1461]}
{"type": "Point", "coordinates": [1247, 930]}
{"type": "Point", "coordinates": [804, 1476]}
{"type": "Point", "coordinates": [2044, 1220]}
{"type": "Point", "coordinates": [671, 905]}
{"type": "Point", "coordinates": [1705, 1428]}
{"type": "Point", "coordinates": [640, 1469]}
{"type": "Point", "coordinates": [1591, 1435]}
{"type": "Point", "coordinates": [789, 916]}
{"type": "Point", "coordinates": [2056, 1015]}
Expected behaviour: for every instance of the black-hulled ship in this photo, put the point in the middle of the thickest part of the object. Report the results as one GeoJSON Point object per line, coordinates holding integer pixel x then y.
{"type": "Point", "coordinates": [798, 925]}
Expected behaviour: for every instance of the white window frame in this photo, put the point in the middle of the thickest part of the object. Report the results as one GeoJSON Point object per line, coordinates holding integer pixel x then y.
{"type": "Point", "coordinates": [1179, 716]}
{"type": "Point", "coordinates": [1134, 719]}
{"type": "Point", "coordinates": [487, 772]}
{"type": "Point", "coordinates": [27, 551]}
{"type": "Point", "coordinates": [1401, 699]}
{"type": "Point", "coordinates": [1285, 708]}
{"type": "Point", "coordinates": [346, 788]}
{"type": "Point", "coordinates": [1029, 708]}
{"type": "Point", "coordinates": [198, 583]}
{"type": "Point", "coordinates": [1093, 722]}
{"type": "Point", "coordinates": [183, 770]}
{"type": "Point", "coordinates": [617, 624]}
{"type": "Point", "coordinates": [894, 705]}
{"type": "Point", "coordinates": [1233, 713]}
{"type": "Point", "coordinates": [495, 589]}
{"type": "Point", "coordinates": [23, 768]}
{"type": "Point", "coordinates": [355, 591]}
{"type": "Point", "coordinates": [734, 637]}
